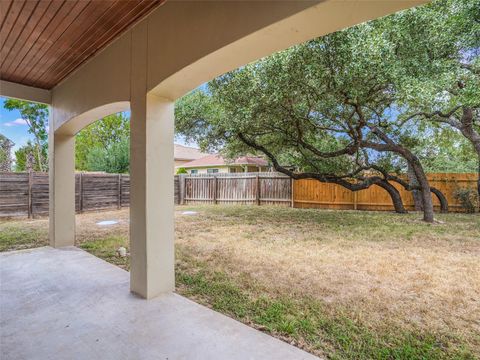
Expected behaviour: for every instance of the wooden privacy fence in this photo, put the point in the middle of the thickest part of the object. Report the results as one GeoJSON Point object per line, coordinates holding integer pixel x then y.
{"type": "Point", "coordinates": [26, 194]}
{"type": "Point", "coordinates": [241, 188]}
{"type": "Point", "coordinates": [313, 194]}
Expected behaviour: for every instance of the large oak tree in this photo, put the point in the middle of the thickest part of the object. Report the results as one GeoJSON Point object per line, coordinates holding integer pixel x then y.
{"type": "Point", "coordinates": [333, 107]}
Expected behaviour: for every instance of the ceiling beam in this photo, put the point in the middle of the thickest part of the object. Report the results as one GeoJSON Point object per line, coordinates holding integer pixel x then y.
{"type": "Point", "coordinates": [23, 92]}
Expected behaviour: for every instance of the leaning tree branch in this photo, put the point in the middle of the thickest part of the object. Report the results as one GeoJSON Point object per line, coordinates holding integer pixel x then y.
{"type": "Point", "coordinates": [407, 186]}
{"type": "Point", "coordinates": [364, 183]}
{"type": "Point", "coordinates": [436, 116]}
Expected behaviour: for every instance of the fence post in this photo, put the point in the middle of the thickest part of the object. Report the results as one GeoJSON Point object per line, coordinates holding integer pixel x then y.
{"type": "Point", "coordinates": [80, 193]}
{"type": "Point", "coordinates": [30, 207]}
{"type": "Point", "coordinates": [257, 178]}
{"type": "Point", "coordinates": [215, 189]}
{"type": "Point", "coordinates": [355, 200]}
{"type": "Point", "coordinates": [119, 192]}
{"type": "Point", "coordinates": [181, 184]}
{"type": "Point", "coordinates": [292, 186]}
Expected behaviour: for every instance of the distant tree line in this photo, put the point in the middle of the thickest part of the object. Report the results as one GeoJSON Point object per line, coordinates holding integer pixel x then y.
{"type": "Point", "coordinates": [102, 146]}
{"type": "Point", "coordinates": [33, 155]}
{"type": "Point", "coordinates": [5, 156]}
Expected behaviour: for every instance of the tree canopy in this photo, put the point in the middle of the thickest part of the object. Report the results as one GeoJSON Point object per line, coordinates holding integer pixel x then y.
{"type": "Point", "coordinates": [336, 107]}
{"type": "Point", "coordinates": [36, 117]}
{"type": "Point", "coordinates": [5, 156]}
{"type": "Point", "coordinates": [104, 145]}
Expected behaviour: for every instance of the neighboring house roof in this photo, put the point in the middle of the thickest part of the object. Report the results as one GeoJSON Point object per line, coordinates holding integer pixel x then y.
{"type": "Point", "coordinates": [187, 153]}
{"type": "Point", "coordinates": [218, 160]}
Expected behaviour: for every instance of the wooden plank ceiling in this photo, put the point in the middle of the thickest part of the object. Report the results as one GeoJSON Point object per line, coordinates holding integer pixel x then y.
{"type": "Point", "coordinates": [43, 41]}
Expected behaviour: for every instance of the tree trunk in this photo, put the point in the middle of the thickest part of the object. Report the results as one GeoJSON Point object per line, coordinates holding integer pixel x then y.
{"type": "Point", "coordinates": [395, 195]}
{"type": "Point", "coordinates": [390, 146]}
{"type": "Point", "coordinates": [39, 156]}
{"type": "Point", "coordinates": [478, 184]}
{"type": "Point", "coordinates": [442, 199]}
{"type": "Point", "coordinates": [417, 195]}
{"type": "Point", "coordinates": [466, 127]}
{"type": "Point", "coordinates": [428, 214]}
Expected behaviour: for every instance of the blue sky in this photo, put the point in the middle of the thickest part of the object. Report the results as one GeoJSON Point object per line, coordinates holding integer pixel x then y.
{"type": "Point", "coordinates": [13, 127]}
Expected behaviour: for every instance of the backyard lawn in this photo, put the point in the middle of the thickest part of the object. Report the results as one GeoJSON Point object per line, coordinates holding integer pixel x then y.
{"type": "Point", "coordinates": [339, 284]}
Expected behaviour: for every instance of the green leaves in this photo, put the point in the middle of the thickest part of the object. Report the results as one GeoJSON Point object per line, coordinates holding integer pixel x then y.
{"type": "Point", "coordinates": [36, 116]}
{"type": "Point", "coordinates": [326, 93]}
{"type": "Point", "coordinates": [29, 152]}
{"type": "Point", "coordinates": [104, 145]}
{"type": "Point", "coordinates": [114, 158]}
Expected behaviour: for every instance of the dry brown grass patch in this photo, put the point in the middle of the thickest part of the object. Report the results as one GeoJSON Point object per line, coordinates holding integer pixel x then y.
{"type": "Point", "coordinates": [428, 279]}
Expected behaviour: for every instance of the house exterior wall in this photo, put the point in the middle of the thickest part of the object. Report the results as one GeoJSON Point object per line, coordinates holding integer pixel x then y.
{"type": "Point", "coordinates": [254, 169]}
{"type": "Point", "coordinates": [221, 169]}
{"type": "Point", "coordinates": [179, 163]}
{"type": "Point", "coordinates": [228, 169]}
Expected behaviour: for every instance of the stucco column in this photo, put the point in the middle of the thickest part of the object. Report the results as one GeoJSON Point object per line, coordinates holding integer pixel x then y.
{"type": "Point", "coordinates": [151, 196]}
{"type": "Point", "coordinates": [62, 189]}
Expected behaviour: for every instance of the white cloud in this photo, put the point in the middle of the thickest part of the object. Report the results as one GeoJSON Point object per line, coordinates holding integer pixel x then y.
{"type": "Point", "coordinates": [17, 122]}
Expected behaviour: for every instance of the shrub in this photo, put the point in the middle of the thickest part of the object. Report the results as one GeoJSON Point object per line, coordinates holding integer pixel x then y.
{"type": "Point", "coordinates": [114, 158]}
{"type": "Point", "coordinates": [468, 199]}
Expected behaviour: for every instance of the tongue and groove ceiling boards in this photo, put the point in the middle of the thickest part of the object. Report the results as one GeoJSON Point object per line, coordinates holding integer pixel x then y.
{"type": "Point", "coordinates": [43, 41]}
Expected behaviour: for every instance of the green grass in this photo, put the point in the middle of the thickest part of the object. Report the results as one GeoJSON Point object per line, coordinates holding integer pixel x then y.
{"type": "Point", "coordinates": [299, 320]}
{"type": "Point", "coordinates": [106, 249]}
{"type": "Point", "coordinates": [306, 322]}
{"type": "Point", "coordinates": [350, 225]}
{"type": "Point", "coordinates": [18, 235]}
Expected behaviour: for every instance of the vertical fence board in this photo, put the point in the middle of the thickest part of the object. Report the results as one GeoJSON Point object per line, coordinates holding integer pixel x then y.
{"type": "Point", "coordinates": [30, 181]}
{"type": "Point", "coordinates": [14, 192]}
{"type": "Point", "coordinates": [40, 190]}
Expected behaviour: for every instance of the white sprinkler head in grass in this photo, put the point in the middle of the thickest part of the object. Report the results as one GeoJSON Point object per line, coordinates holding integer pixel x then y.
{"type": "Point", "coordinates": [107, 222]}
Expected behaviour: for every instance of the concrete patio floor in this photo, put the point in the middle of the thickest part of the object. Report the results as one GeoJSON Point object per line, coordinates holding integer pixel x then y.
{"type": "Point", "coordinates": [68, 304]}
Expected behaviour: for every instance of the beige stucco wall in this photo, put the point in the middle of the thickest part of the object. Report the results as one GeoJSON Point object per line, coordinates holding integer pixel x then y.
{"type": "Point", "coordinates": [178, 33]}
{"type": "Point", "coordinates": [221, 169]}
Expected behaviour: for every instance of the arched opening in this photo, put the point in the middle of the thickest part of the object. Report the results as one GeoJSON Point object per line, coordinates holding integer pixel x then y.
{"type": "Point", "coordinates": [65, 185]}
{"type": "Point", "coordinates": [77, 123]}
{"type": "Point", "coordinates": [102, 153]}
